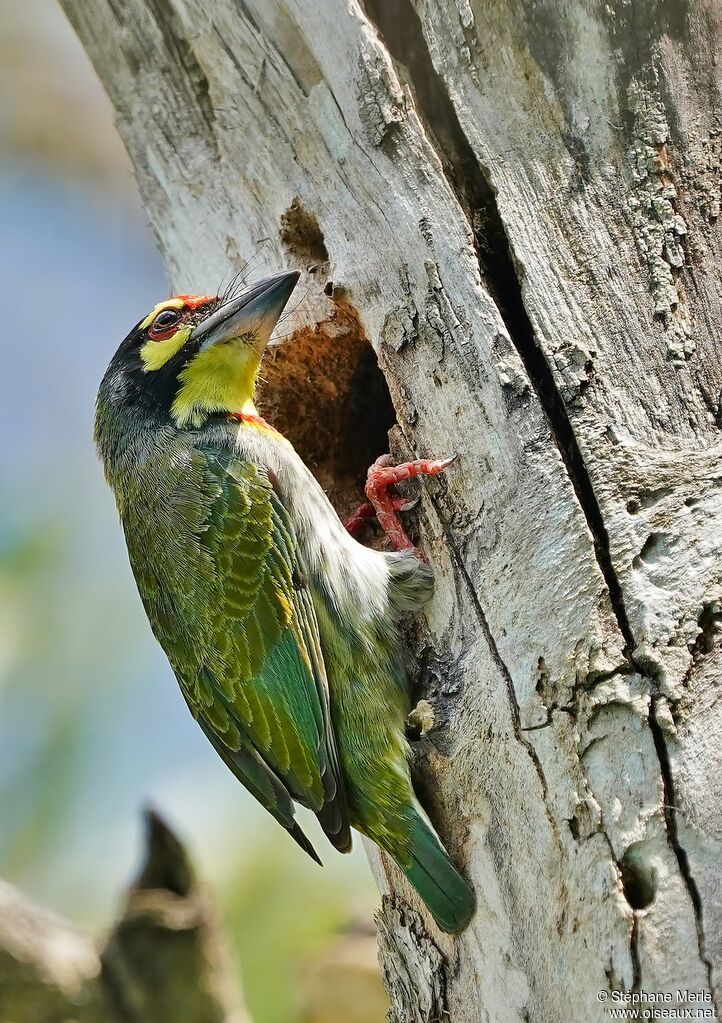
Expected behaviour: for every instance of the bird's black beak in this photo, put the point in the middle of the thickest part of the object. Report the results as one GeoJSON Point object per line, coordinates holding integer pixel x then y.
{"type": "Point", "coordinates": [253, 314]}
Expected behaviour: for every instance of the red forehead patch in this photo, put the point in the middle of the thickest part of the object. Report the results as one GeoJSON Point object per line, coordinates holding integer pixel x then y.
{"type": "Point", "coordinates": [193, 301]}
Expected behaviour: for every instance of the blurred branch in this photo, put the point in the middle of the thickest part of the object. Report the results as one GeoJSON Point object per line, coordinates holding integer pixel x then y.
{"type": "Point", "coordinates": [162, 961]}
{"type": "Point", "coordinates": [48, 970]}
{"type": "Point", "coordinates": [344, 982]}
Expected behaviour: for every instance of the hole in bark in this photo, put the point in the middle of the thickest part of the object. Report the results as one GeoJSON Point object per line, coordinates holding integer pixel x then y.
{"type": "Point", "coordinates": [647, 498]}
{"type": "Point", "coordinates": [710, 627]}
{"type": "Point", "coordinates": [639, 878]}
{"type": "Point", "coordinates": [323, 389]}
{"type": "Point", "coordinates": [412, 732]}
{"type": "Point", "coordinates": [655, 546]}
{"type": "Point", "coordinates": [302, 237]}
{"type": "Point", "coordinates": [542, 676]}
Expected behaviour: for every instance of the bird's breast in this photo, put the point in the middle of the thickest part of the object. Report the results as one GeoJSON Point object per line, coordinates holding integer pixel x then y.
{"type": "Point", "coordinates": [355, 577]}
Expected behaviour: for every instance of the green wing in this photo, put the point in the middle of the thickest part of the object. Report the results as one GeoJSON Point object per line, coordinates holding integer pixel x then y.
{"type": "Point", "coordinates": [229, 605]}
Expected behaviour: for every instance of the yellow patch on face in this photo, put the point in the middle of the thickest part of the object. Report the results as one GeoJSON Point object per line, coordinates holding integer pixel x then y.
{"type": "Point", "coordinates": [170, 303]}
{"type": "Point", "coordinates": [220, 379]}
{"type": "Point", "coordinates": [155, 354]}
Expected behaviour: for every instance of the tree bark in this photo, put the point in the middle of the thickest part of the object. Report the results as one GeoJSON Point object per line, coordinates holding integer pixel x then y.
{"type": "Point", "coordinates": [517, 204]}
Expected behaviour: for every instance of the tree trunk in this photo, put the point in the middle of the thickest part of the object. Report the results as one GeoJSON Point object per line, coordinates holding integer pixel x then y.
{"type": "Point", "coordinates": [516, 203]}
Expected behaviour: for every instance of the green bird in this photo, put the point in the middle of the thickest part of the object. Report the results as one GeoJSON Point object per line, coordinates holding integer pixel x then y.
{"type": "Point", "coordinates": [281, 628]}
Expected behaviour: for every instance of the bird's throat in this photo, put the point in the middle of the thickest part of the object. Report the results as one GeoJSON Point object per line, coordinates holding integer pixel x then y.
{"type": "Point", "coordinates": [221, 379]}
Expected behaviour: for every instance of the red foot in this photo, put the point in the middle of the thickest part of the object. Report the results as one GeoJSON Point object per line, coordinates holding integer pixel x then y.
{"type": "Point", "coordinates": [359, 520]}
{"type": "Point", "coordinates": [381, 476]}
{"type": "Point", "coordinates": [356, 525]}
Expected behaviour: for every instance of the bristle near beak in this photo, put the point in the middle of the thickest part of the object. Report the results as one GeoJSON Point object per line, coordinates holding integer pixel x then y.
{"type": "Point", "coordinates": [253, 314]}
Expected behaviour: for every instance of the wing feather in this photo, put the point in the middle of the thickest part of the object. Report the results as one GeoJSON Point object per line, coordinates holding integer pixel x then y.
{"type": "Point", "coordinates": [239, 627]}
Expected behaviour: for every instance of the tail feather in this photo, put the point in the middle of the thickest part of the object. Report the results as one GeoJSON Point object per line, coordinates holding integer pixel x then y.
{"type": "Point", "coordinates": [448, 897]}
{"type": "Point", "coordinates": [335, 826]}
{"type": "Point", "coordinates": [298, 836]}
{"type": "Point", "coordinates": [333, 815]}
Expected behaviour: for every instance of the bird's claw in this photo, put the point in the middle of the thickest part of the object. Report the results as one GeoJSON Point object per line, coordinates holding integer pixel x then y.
{"type": "Point", "coordinates": [382, 475]}
{"type": "Point", "coordinates": [400, 504]}
{"type": "Point", "coordinates": [357, 523]}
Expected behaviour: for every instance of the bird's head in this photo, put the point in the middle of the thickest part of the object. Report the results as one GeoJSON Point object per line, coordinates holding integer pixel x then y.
{"type": "Point", "coordinates": [196, 355]}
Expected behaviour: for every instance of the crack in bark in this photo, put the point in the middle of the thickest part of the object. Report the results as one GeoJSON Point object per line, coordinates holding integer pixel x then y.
{"type": "Point", "coordinates": [506, 675]}
{"type": "Point", "coordinates": [496, 657]}
{"type": "Point", "coordinates": [634, 925]}
{"type": "Point", "coordinates": [670, 821]}
{"type": "Point", "coordinates": [551, 710]}
{"type": "Point", "coordinates": [401, 31]}
{"type": "Point", "coordinates": [634, 952]}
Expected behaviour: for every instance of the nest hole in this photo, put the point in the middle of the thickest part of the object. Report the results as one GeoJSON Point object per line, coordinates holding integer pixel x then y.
{"type": "Point", "coordinates": [323, 389]}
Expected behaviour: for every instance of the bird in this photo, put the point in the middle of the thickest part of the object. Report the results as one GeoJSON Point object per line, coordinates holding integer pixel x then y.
{"type": "Point", "coordinates": [281, 627]}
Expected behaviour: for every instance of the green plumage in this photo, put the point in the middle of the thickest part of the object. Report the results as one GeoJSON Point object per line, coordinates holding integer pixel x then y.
{"type": "Point", "coordinates": [282, 631]}
{"type": "Point", "coordinates": [216, 565]}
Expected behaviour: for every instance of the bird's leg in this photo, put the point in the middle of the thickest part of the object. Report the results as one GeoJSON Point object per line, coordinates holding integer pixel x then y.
{"type": "Point", "coordinates": [359, 520]}
{"type": "Point", "coordinates": [357, 523]}
{"type": "Point", "coordinates": [383, 475]}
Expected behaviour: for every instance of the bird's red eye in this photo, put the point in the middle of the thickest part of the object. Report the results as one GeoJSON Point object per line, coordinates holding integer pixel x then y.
{"type": "Point", "coordinates": [164, 323]}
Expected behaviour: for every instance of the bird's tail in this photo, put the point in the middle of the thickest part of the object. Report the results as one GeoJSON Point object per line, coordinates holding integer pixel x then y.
{"type": "Point", "coordinates": [447, 895]}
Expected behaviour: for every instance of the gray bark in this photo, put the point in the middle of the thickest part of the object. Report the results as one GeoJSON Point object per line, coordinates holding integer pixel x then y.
{"type": "Point", "coordinates": [517, 204]}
